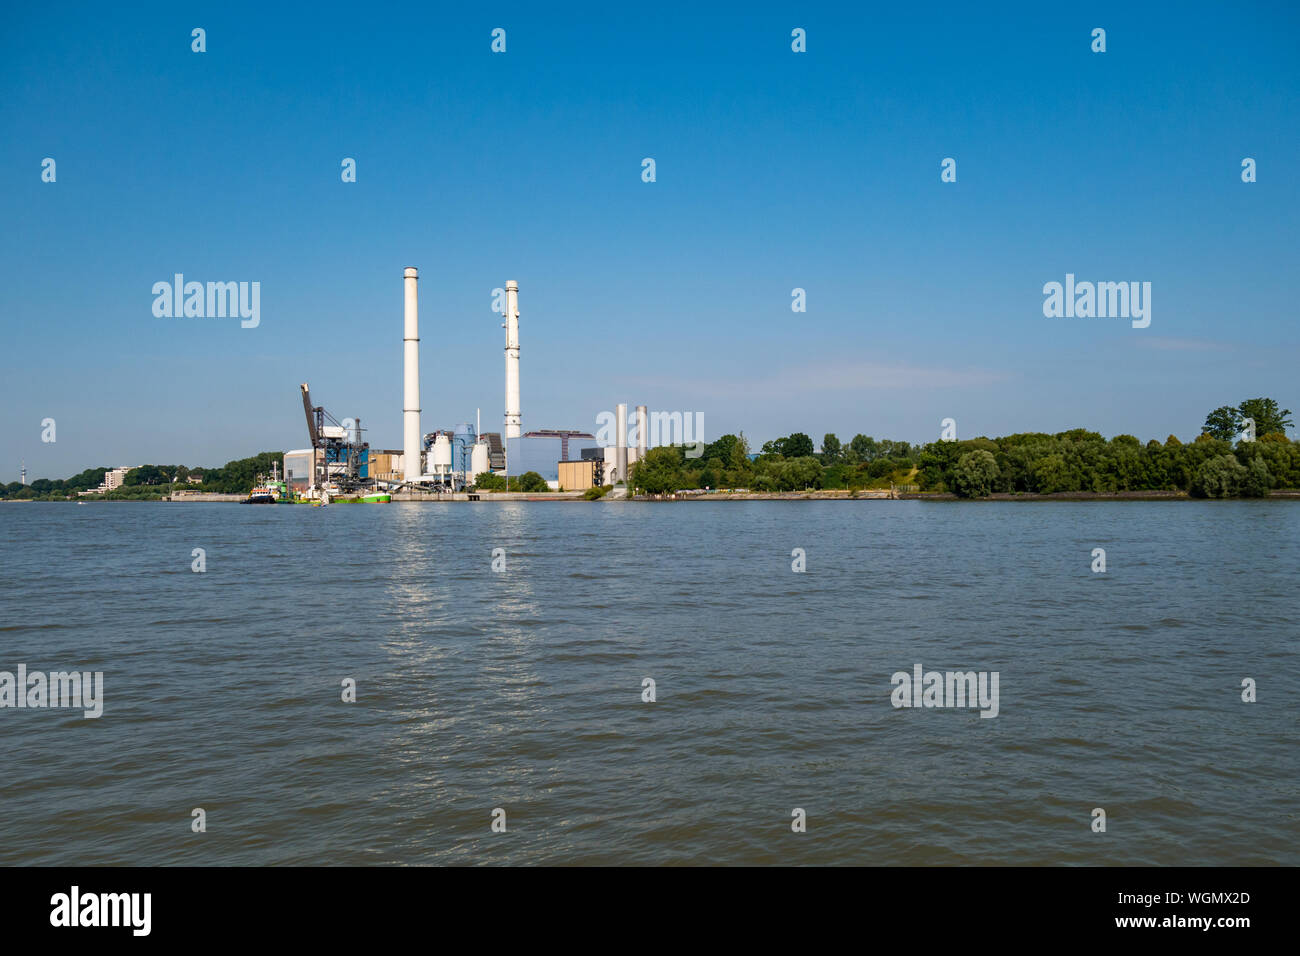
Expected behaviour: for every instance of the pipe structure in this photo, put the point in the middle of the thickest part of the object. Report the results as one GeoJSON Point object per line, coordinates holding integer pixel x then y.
{"type": "Point", "coordinates": [411, 404]}
{"type": "Point", "coordinates": [513, 418]}
{"type": "Point", "coordinates": [621, 448]}
{"type": "Point", "coordinates": [642, 431]}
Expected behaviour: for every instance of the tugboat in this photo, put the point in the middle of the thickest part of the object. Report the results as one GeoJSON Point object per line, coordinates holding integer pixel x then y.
{"type": "Point", "coordinates": [268, 492]}
{"type": "Point", "coordinates": [261, 495]}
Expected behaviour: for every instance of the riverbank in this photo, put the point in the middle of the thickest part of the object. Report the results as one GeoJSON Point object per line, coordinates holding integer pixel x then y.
{"type": "Point", "coordinates": [810, 495]}
{"type": "Point", "coordinates": [839, 495]}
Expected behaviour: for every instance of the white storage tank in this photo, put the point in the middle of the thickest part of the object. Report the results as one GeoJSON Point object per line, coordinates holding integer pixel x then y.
{"type": "Point", "coordinates": [478, 458]}
{"type": "Point", "coordinates": [442, 454]}
{"type": "Point", "coordinates": [437, 460]}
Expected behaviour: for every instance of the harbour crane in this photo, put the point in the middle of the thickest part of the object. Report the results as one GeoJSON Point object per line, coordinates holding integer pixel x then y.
{"type": "Point", "coordinates": [344, 454]}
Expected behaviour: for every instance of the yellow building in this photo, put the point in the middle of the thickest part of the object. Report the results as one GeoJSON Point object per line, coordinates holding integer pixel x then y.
{"type": "Point", "coordinates": [579, 475]}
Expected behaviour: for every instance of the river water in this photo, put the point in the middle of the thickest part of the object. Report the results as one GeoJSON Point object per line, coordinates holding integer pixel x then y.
{"type": "Point", "coordinates": [521, 689]}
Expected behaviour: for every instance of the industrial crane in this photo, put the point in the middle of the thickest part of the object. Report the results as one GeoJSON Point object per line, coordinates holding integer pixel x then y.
{"type": "Point", "coordinates": [341, 446]}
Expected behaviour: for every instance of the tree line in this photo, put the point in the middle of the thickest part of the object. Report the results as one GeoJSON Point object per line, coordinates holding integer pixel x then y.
{"type": "Point", "coordinates": [1224, 461]}
{"type": "Point", "coordinates": [236, 477]}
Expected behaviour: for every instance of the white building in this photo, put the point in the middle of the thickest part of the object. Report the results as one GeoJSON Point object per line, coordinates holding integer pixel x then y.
{"type": "Point", "coordinates": [113, 479]}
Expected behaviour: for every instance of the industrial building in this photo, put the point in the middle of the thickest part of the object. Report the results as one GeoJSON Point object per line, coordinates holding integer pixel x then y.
{"type": "Point", "coordinates": [539, 454]}
{"type": "Point", "coordinates": [300, 470]}
{"type": "Point", "coordinates": [449, 459]}
{"type": "Point", "coordinates": [581, 474]}
{"type": "Point", "coordinates": [496, 452]}
{"type": "Point", "coordinates": [453, 458]}
{"type": "Point", "coordinates": [386, 466]}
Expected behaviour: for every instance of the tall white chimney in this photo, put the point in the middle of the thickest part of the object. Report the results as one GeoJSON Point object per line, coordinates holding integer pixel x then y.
{"type": "Point", "coordinates": [411, 404]}
{"type": "Point", "coordinates": [642, 431]}
{"type": "Point", "coordinates": [620, 460]}
{"type": "Point", "coordinates": [512, 360]}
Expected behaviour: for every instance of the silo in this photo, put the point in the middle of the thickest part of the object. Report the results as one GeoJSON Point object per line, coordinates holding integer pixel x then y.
{"type": "Point", "coordinates": [479, 460]}
{"type": "Point", "coordinates": [441, 452]}
{"type": "Point", "coordinates": [462, 441]}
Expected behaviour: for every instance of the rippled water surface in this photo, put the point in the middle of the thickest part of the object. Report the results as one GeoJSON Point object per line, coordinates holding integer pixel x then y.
{"type": "Point", "coordinates": [522, 690]}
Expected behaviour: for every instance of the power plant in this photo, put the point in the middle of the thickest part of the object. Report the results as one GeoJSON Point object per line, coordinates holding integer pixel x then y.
{"type": "Point", "coordinates": [451, 460]}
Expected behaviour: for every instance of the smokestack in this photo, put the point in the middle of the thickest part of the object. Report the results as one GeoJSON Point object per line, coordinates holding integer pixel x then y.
{"type": "Point", "coordinates": [642, 431]}
{"type": "Point", "coordinates": [512, 360]}
{"type": "Point", "coordinates": [621, 453]}
{"type": "Point", "coordinates": [411, 404]}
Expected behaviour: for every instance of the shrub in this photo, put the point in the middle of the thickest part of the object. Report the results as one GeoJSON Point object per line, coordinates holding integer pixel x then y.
{"type": "Point", "coordinates": [974, 474]}
{"type": "Point", "coordinates": [1257, 480]}
{"type": "Point", "coordinates": [530, 481]}
{"type": "Point", "coordinates": [1219, 477]}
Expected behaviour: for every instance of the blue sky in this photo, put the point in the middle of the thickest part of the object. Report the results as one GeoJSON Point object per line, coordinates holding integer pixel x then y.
{"type": "Point", "coordinates": [775, 170]}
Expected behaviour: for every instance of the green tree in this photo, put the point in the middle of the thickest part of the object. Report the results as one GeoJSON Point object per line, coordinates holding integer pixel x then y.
{"type": "Point", "coordinates": [529, 482]}
{"type": "Point", "coordinates": [1268, 418]}
{"type": "Point", "coordinates": [936, 465]}
{"type": "Point", "coordinates": [803, 473]}
{"type": "Point", "coordinates": [900, 450]}
{"type": "Point", "coordinates": [487, 481]}
{"type": "Point", "coordinates": [831, 450]}
{"type": "Point", "coordinates": [974, 474]}
{"type": "Point", "coordinates": [797, 445]}
{"type": "Point", "coordinates": [660, 473]}
{"type": "Point", "coordinates": [1051, 474]}
{"type": "Point", "coordinates": [1257, 480]}
{"type": "Point", "coordinates": [863, 448]}
{"type": "Point", "coordinates": [1224, 423]}
{"type": "Point", "coordinates": [238, 477]}
{"type": "Point", "coordinates": [145, 475]}
{"type": "Point", "coordinates": [740, 454]}
{"type": "Point", "coordinates": [1219, 477]}
{"type": "Point", "coordinates": [724, 449]}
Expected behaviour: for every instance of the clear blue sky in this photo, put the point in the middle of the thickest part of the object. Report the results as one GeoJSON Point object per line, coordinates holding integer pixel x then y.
{"type": "Point", "coordinates": [775, 170]}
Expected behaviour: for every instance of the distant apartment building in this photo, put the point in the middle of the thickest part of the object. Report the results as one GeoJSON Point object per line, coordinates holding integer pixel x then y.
{"type": "Point", "coordinates": [113, 479]}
